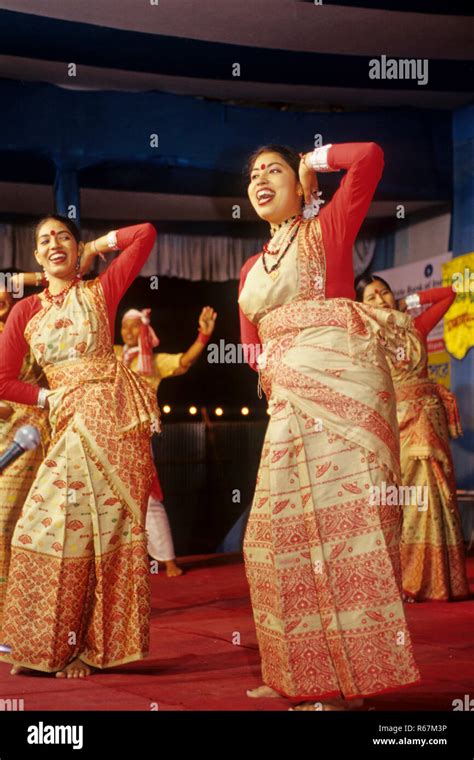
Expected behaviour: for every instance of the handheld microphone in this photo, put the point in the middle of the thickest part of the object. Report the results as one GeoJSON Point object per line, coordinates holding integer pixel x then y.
{"type": "Point", "coordinates": [26, 438]}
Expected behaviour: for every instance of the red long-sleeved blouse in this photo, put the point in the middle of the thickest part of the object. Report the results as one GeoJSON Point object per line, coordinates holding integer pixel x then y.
{"type": "Point", "coordinates": [340, 222]}
{"type": "Point", "coordinates": [441, 299]}
{"type": "Point", "coordinates": [135, 244]}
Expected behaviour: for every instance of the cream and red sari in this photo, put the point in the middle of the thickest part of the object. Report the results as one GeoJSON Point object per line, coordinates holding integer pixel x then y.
{"type": "Point", "coordinates": [432, 548]}
{"type": "Point", "coordinates": [322, 563]}
{"type": "Point", "coordinates": [79, 574]}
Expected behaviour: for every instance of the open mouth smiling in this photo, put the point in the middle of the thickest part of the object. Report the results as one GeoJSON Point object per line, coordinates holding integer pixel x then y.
{"type": "Point", "coordinates": [265, 195]}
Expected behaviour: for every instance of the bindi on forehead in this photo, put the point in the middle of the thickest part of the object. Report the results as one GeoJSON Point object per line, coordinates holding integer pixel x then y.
{"type": "Point", "coordinates": [266, 166]}
{"type": "Point", "coordinates": [52, 233]}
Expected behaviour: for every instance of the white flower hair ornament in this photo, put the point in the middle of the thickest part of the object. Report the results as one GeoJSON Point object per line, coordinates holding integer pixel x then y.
{"type": "Point", "coordinates": [311, 209]}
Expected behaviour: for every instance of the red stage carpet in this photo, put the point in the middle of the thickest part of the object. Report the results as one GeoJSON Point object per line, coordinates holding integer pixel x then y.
{"type": "Point", "coordinates": [204, 654]}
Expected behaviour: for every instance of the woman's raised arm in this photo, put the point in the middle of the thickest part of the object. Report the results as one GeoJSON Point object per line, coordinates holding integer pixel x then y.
{"type": "Point", "coordinates": [135, 244]}
{"type": "Point", "coordinates": [441, 299]}
{"type": "Point", "coordinates": [348, 207]}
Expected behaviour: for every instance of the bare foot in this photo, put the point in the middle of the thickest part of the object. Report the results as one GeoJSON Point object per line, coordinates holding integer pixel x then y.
{"type": "Point", "coordinates": [329, 705]}
{"type": "Point", "coordinates": [354, 704]}
{"type": "Point", "coordinates": [75, 669]}
{"type": "Point", "coordinates": [18, 669]}
{"type": "Point", "coordinates": [262, 691]}
{"type": "Point", "coordinates": [172, 569]}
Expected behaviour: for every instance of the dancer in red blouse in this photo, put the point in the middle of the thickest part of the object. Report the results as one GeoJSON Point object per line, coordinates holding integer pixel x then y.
{"type": "Point", "coordinates": [432, 547]}
{"type": "Point", "coordinates": [78, 587]}
{"type": "Point", "coordinates": [321, 561]}
{"type": "Point", "coordinates": [340, 221]}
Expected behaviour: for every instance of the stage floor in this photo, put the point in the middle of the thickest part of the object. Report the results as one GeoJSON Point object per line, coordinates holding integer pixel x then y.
{"type": "Point", "coordinates": [204, 653]}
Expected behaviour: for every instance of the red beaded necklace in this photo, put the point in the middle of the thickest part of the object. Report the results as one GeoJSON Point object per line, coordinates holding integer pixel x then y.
{"type": "Point", "coordinates": [58, 298]}
{"type": "Point", "coordinates": [270, 270]}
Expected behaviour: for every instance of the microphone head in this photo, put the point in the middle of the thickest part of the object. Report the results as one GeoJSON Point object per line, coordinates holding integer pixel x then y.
{"type": "Point", "coordinates": [28, 437]}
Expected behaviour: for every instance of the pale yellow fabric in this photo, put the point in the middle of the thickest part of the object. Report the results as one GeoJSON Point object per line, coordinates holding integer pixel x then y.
{"type": "Point", "coordinates": [164, 365]}
{"type": "Point", "coordinates": [322, 562]}
{"type": "Point", "coordinates": [432, 547]}
{"type": "Point", "coordinates": [79, 562]}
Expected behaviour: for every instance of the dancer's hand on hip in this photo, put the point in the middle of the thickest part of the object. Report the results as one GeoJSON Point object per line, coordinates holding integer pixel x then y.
{"type": "Point", "coordinates": [6, 411]}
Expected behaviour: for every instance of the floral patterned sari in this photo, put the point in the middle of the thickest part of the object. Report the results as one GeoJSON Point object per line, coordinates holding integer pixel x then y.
{"type": "Point", "coordinates": [432, 548]}
{"type": "Point", "coordinates": [79, 576]}
{"type": "Point", "coordinates": [16, 480]}
{"type": "Point", "coordinates": [322, 562]}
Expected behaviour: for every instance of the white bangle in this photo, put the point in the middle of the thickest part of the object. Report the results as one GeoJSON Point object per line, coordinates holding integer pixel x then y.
{"type": "Point", "coordinates": [42, 396]}
{"type": "Point", "coordinates": [318, 159]}
{"type": "Point", "coordinates": [412, 301]}
{"type": "Point", "coordinates": [112, 240]}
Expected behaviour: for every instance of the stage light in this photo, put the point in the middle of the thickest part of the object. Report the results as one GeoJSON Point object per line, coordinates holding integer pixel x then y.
{"type": "Point", "coordinates": [244, 410]}
{"type": "Point", "coordinates": [219, 412]}
{"type": "Point", "coordinates": [166, 409]}
{"type": "Point", "coordinates": [192, 410]}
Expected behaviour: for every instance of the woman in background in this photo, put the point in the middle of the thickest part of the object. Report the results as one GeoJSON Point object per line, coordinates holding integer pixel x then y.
{"type": "Point", "coordinates": [137, 353]}
{"type": "Point", "coordinates": [432, 548]}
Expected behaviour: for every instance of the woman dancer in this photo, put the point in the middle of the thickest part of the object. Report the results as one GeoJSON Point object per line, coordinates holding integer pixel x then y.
{"type": "Point", "coordinates": [137, 353]}
{"type": "Point", "coordinates": [321, 561]}
{"type": "Point", "coordinates": [16, 480]}
{"type": "Point", "coordinates": [432, 548]}
{"type": "Point", "coordinates": [78, 589]}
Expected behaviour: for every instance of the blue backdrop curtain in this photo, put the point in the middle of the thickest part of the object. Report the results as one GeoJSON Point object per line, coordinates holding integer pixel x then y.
{"type": "Point", "coordinates": [154, 142]}
{"type": "Point", "coordinates": [462, 372]}
{"type": "Point", "coordinates": [384, 256]}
